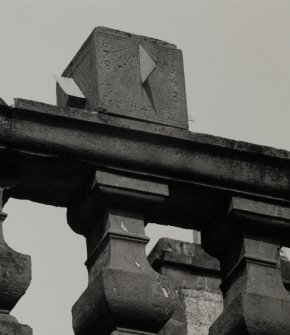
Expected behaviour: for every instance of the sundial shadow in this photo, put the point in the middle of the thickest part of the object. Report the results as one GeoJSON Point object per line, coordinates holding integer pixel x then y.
{"type": "Point", "coordinates": [148, 91]}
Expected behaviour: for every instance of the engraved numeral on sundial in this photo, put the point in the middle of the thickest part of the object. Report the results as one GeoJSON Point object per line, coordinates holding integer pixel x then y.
{"type": "Point", "coordinates": [174, 82]}
{"type": "Point", "coordinates": [175, 96]}
{"type": "Point", "coordinates": [107, 64]}
{"type": "Point", "coordinates": [106, 52]}
{"type": "Point", "coordinates": [105, 43]}
{"type": "Point", "coordinates": [108, 88]}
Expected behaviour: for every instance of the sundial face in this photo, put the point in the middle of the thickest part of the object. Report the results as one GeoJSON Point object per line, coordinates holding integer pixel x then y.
{"type": "Point", "coordinates": [132, 76]}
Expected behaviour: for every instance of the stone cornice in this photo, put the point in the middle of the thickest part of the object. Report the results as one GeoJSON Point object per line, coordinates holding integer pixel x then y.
{"type": "Point", "coordinates": [34, 129]}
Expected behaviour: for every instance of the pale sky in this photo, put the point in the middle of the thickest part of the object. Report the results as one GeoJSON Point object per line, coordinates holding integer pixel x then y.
{"type": "Point", "coordinates": [237, 68]}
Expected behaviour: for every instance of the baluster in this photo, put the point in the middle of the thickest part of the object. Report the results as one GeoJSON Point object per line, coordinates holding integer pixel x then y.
{"type": "Point", "coordinates": [15, 277]}
{"type": "Point", "coordinates": [247, 243]}
{"type": "Point", "coordinates": [124, 295]}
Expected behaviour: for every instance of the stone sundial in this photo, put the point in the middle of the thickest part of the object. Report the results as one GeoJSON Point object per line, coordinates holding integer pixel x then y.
{"type": "Point", "coordinates": [130, 76]}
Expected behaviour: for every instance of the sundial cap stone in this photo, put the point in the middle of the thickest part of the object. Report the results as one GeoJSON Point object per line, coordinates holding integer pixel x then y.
{"type": "Point", "coordinates": [131, 76]}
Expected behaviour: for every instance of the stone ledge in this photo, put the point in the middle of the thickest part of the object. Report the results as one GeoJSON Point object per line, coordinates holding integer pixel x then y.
{"type": "Point", "coordinates": [217, 142]}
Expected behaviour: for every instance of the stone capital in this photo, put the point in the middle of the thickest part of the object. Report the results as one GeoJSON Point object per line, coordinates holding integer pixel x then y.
{"type": "Point", "coordinates": [114, 190]}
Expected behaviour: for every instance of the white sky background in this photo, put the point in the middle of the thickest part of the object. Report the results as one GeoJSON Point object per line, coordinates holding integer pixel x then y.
{"type": "Point", "coordinates": [237, 68]}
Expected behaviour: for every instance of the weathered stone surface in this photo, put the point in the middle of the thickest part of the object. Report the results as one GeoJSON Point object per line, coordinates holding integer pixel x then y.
{"type": "Point", "coordinates": [10, 326]}
{"type": "Point", "coordinates": [15, 277]}
{"type": "Point", "coordinates": [202, 308]}
{"type": "Point", "coordinates": [123, 291]}
{"type": "Point", "coordinates": [247, 242]}
{"type": "Point", "coordinates": [107, 69]}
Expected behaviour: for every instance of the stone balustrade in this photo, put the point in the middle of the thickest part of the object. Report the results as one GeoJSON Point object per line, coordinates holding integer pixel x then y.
{"type": "Point", "coordinates": [128, 159]}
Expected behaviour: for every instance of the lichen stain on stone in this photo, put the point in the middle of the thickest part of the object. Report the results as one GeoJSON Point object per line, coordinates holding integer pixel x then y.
{"type": "Point", "coordinates": [165, 293]}
{"type": "Point", "coordinates": [124, 227]}
{"type": "Point", "coordinates": [138, 264]}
